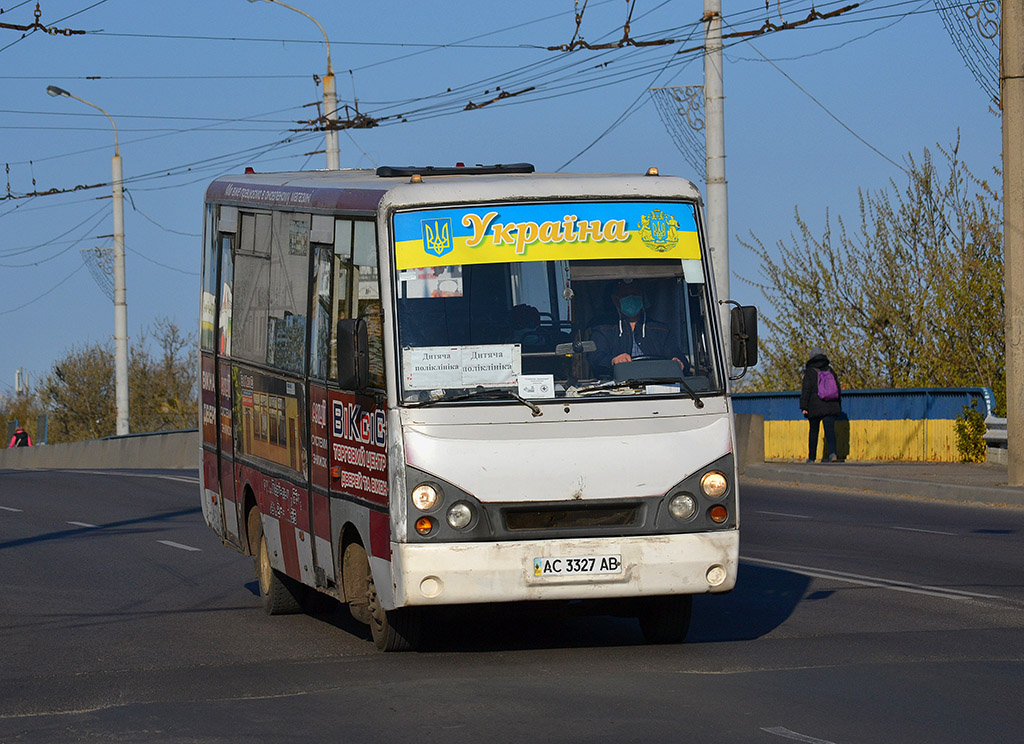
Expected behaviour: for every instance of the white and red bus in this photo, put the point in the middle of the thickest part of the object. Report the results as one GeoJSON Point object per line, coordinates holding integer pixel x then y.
{"type": "Point", "coordinates": [439, 386]}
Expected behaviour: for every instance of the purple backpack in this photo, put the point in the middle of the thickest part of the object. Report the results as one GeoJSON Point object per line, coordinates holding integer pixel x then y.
{"type": "Point", "coordinates": [828, 387]}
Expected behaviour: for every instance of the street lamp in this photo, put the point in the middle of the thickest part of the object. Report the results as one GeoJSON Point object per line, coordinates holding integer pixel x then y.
{"type": "Point", "coordinates": [120, 304]}
{"type": "Point", "coordinates": [330, 97]}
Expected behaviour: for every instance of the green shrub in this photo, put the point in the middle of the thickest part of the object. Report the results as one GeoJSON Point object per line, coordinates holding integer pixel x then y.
{"type": "Point", "coordinates": [970, 433]}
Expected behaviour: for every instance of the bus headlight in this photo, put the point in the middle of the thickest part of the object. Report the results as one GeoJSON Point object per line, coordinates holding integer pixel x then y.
{"type": "Point", "coordinates": [682, 506]}
{"type": "Point", "coordinates": [425, 496]}
{"type": "Point", "coordinates": [460, 515]}
{"type": "Point", "coordinates": [714, 484]}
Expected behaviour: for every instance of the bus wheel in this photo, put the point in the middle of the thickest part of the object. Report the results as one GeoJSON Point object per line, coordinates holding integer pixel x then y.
{"type": "Point", "coordinates": [392, 630]}
{"type": "Point", "coordinates": [666, 619]}
{"type": "Point", "coordinates": [280, 595]}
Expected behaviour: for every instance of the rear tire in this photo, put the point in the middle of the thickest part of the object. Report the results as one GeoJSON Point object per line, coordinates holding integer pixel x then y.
{"type": "Point", "coordinates": [666, 619]}
{"type": "Point", "coordinates": [392, 630]}
{"type": "Point", "coordinates": [279, 594]}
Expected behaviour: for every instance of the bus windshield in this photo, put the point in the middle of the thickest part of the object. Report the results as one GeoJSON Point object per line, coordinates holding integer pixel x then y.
{"type": "Point", "coordinates": [551, 301]}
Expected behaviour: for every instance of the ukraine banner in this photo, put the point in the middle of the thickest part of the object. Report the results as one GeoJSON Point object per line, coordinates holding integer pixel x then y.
{"type": "Point", "coordinates": [545, 232]}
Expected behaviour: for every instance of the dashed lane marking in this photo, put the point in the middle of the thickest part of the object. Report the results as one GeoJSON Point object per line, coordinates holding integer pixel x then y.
{"type": "Point", "coordinates": [179, 546]}
{"type": "Point", "coordinates": [928, 532]}
{"type": "Point", "coordinates": [10, 509]}
{"type": "Point", "coordinates": [83, 524]}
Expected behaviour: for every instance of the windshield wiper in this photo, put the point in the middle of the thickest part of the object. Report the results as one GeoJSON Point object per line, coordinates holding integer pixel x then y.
{"type": "Point", "coordinates": [637, 382]}
{"type": "Point", "coordinates": [480, 392]}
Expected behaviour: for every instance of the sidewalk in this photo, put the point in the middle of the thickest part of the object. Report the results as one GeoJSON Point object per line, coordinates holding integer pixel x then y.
{"type": "Point", "coordinates": [982, 483]}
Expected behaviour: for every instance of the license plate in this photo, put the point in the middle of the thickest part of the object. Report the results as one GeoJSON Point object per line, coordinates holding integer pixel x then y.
{"type": "Point", "coordinates": [577, 565]}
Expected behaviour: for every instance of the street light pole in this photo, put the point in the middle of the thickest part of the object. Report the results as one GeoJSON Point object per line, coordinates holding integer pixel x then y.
{"type": "Point", "coordinates": [120, 294]}
{"type": "Point", "coordinates": [330, 96]}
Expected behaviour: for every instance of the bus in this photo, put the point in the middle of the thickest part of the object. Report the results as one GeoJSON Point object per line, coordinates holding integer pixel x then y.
{"type": "Point", "coordinates": [459, 385]}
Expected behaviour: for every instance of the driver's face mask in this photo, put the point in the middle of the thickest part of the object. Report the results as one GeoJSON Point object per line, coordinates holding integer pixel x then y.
{"type": "Point", "coordinates": [631, 305]}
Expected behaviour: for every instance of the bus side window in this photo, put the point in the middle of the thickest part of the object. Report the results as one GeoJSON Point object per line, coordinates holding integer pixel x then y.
{"type": "Point", "coordinates": [366, 281]}
{"type": "Point", "coordinates": [250, 296]}
{"type": "Point", "coordinates": [209, 296]}
{"type": "Point", "coordinates": [289, 280]}
{"type": "Point", "coordinates": [340, 294]}
{"type": "Point", "coordinates": [319, 352]}
{"type": "Point", "coordinates": [226, 273]}
{"type": "Point", "coordinates": [356, 291]}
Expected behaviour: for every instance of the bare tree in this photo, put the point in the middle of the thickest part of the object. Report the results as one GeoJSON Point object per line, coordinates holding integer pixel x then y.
{"type": "Point", "coordinates": [913, 297]}
{"type": "Point", "coordinates": [79, 391]}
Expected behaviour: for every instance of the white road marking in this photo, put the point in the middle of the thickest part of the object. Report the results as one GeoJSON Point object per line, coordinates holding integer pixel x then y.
{"type": "Point", "coordinates": [780, 731]}
{"type": "Point", "coordinates": [10, 509]}
{"type": "Point", "coordinates": [119, 473]}
{"type": "Point", "coordinates": [179, 546]}
{"type": "Point", "coordinates": [872, 581]}
{"type": "Point", "coordinates": [783, 514]}
{"type": "Point", "coordinates": [83, 524]}
{"type": "Point", "coordinates": [930, 532]}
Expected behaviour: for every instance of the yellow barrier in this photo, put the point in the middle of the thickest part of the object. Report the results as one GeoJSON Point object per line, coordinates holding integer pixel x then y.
{"type": "Point", "coordinates": [925, 440]}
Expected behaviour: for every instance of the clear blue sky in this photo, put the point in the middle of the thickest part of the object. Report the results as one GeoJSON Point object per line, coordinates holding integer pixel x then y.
{"type": "Point", "coordinates": [200, 88]}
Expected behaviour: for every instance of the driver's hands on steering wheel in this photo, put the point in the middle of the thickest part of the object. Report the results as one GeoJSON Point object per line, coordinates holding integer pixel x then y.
{"type": "Point", "coordinates": [627, 358]}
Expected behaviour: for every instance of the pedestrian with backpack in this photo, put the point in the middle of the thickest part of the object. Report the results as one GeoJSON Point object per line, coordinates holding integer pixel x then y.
{"type": "Point", "coordinates": [20, 439]}
{"type": "Point", "coordinates": [821, 402]}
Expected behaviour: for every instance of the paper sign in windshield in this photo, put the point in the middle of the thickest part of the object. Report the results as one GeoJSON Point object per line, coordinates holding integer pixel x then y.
{"type": "Point", "coordinates": [446, 367]}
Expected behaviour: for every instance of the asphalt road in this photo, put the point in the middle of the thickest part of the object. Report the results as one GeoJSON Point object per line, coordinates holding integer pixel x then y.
{"type": "Point", "coordinates": [856, 619]}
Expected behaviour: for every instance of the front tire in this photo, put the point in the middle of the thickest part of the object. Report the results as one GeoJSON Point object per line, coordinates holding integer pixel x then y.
{"type": "Point", "coordinates": [666, 619]}
{"type": "Point", "coordinates": [392, 630]}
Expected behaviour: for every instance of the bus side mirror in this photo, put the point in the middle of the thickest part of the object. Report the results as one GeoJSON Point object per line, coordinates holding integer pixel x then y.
{"type": "Point", "coordinates": [353, 354]}
{"type": "Point", "coordinates": [743, 322]}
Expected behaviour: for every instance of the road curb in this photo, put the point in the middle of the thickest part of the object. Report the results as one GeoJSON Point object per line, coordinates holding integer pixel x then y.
{"type": "Point", "coordinates": [888, 486]}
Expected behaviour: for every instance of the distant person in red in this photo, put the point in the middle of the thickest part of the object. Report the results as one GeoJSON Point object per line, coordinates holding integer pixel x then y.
{"type": "Point", "coordinates": [20, 439]}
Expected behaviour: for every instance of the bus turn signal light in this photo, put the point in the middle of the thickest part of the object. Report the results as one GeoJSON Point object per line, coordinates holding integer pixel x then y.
{"type": "Point", "coordinates": [424, 525]}
{"type": "Point", "coordinates": [718, 513]}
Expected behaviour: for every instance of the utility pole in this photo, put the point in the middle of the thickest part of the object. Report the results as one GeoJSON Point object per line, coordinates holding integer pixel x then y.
{"type": "Point", "coordinates": [120, 297]}
{"type": "Point", "coordinates": [1011, 84]}
{"type": "Point", "coordinates": [714, 145]}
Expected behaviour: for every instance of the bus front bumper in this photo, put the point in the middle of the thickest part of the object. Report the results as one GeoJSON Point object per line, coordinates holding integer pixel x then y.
{"type": "Point", "coordinates": [579, 568]}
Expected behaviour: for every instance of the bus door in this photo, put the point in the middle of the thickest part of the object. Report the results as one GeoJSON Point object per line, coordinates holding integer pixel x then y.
{"type": "Point", "coordinates": [357, 418]}
{"type": "Point", "coordinates": [321, 298]}
{"type": "Point", "coordinates": [227, 228]}
{"type": "Point", "coordinates": [215, 315]}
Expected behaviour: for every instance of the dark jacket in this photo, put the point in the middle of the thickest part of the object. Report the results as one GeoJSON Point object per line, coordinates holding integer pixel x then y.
{"type": "Point", "coordinates": [20, 439]}
{"type": "Point", "coordinates": [653, 338]}
{"type": "Point", "coordinates": [809, 400]}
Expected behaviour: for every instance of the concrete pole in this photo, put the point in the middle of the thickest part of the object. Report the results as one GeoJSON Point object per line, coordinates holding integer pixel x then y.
{"type": "Point", "coordinates": [120, 300]}
{"type": "Point", "coordinates": [714, 148]}
{"type": "Point", "coordinates": [1012, 98]}
{"type": "Point", "coordinates": [331, 110]}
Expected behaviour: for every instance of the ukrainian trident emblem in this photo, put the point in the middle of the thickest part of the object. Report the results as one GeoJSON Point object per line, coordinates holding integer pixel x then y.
{"type": "Point", "coordinates": [658, 231]}
{"type": "Point", "coordinates": [437, 236]}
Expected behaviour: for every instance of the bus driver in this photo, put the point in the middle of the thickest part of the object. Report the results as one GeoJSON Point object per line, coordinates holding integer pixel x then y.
{"type": "Point", "coordinates": [635, 335]}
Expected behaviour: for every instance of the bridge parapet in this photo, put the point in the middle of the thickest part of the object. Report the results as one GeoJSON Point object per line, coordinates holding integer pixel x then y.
{"type": "Point", "coordinates": [907, 424]}
{"type": "Point", "coordinates": [157, 451]}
